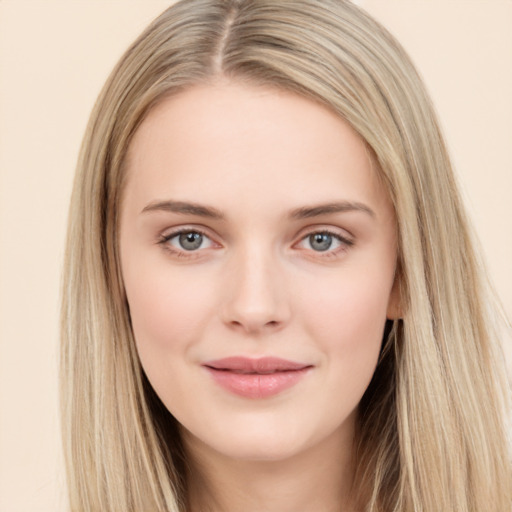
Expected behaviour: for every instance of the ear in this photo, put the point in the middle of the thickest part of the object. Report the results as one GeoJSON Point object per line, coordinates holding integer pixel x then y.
{"type": "Point", "coordinates": [395, 310]}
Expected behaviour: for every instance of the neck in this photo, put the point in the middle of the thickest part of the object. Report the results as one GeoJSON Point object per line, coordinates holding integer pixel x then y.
{"type": "Point", "coordinates": [319, 478]}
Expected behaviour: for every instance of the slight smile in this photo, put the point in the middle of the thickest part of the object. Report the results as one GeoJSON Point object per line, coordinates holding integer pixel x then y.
{"type": "Point", "coordinates": [256, 378]}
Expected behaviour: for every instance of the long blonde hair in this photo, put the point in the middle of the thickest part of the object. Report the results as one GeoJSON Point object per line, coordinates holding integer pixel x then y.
{"type": "Point", "coordinates": [432, 427]}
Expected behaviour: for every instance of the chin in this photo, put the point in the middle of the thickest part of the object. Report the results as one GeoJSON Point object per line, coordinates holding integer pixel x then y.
{"type": "Point", "coordinates": [253, 440]}
{"type": "Point", "coordinates": [261, 449]}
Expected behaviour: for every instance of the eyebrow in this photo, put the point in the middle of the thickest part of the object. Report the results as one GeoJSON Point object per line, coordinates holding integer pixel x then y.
{"type": "Point", "coordinates": [305, 212]}
{"type": "Point", "coordinates": [329, 208]}
{"type": "Point", "coordinates": [184, 208]}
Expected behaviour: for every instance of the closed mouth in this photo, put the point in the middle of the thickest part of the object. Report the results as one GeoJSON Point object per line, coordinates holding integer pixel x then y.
{"type": "Point", "coordinates": [262, 366]}
{"type": "Point", "coordinates": [243, 372]}
{"type": "Point", "coordinates": [256, 378]}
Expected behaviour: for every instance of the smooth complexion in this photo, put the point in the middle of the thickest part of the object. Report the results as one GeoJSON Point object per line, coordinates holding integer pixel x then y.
{"type": "Point", "coordinates": [254, 225]}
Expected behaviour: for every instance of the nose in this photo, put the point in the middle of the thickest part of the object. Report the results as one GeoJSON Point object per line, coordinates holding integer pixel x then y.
{"type": "Point", "coordinates": [257, 298]}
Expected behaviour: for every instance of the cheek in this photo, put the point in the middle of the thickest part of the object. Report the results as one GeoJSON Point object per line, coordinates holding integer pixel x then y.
{"type": "Point", "coordinates": [347, 320]}
{"type": "Point", "coordinates": [168, 309]}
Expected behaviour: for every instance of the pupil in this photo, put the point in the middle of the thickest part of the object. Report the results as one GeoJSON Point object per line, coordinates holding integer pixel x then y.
{"type": "Point", "coordinates": [320, 241]}
{"type": "Point", "coordinates": [191, 240]}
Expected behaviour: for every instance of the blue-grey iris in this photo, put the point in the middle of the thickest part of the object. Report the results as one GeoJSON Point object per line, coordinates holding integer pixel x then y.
{"type": "Point", "coordinates": [191, 240]}
{"type": "Point", "coordinates": [320, 241]}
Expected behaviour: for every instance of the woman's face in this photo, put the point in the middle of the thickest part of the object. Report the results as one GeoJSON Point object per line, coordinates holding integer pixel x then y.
{"type": "Point", "coordinates": [258, 252]}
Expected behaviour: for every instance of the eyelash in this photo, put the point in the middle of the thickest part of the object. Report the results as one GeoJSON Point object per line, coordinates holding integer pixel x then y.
{"type": "Point", "coordinates": [164, 242]}
{"type": "Point", "coordinates": [346, 243]}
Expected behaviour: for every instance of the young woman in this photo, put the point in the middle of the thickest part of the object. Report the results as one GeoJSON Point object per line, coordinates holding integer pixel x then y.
{"type": "Point", "coordinates": [271, 297]}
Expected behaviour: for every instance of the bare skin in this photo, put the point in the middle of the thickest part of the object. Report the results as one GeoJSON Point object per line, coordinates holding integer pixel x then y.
{"type": "Point", "coordinates": [290, 485]}
{"type": "Point", "coordinates": [254, 225]}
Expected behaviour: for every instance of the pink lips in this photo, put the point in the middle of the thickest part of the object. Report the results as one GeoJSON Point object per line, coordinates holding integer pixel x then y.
{"type": "Point", "coordinates": [256, 378]}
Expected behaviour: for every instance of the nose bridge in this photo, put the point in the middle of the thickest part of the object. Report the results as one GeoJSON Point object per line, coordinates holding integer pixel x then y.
{"type": "Point", "coordinates": [258, 298]}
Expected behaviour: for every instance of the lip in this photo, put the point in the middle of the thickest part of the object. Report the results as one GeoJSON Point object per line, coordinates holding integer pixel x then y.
{"type": "Point", "coordinates": [256, 378]}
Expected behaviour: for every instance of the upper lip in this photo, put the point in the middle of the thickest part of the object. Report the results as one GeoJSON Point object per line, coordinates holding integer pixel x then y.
{"type": "Point", "coordinates": [250, 365]}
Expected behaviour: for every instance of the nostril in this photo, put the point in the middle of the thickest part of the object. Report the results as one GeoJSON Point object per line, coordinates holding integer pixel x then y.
{"type": "Point", "coordinates": [254, 325]}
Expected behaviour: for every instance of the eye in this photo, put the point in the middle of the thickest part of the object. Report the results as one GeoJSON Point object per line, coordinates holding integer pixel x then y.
{"type": "Point", "coordinates": [189, 240]}
{"type": "Point", "coordinates": [325, 242]}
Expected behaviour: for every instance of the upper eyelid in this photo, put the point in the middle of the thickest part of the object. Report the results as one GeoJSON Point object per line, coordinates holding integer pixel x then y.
{"type": "Point", "coordinates": [336, 231]}
{"type": "Point", "coordinates": [342, 239]}
{"type": "Point", "coordinates": [172, 232]}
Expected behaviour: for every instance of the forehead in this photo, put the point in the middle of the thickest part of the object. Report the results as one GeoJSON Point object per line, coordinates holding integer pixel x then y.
{"type": "Point", "coordinates": [229, 140]}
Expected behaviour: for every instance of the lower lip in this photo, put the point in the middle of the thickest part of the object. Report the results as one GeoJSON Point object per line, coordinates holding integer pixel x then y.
{"type": "Point", "coordinates": [257, 385]}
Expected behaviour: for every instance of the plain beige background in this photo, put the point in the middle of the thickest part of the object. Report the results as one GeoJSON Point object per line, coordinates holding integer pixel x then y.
{"type": "Point", "coordinates": [54, 57]}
